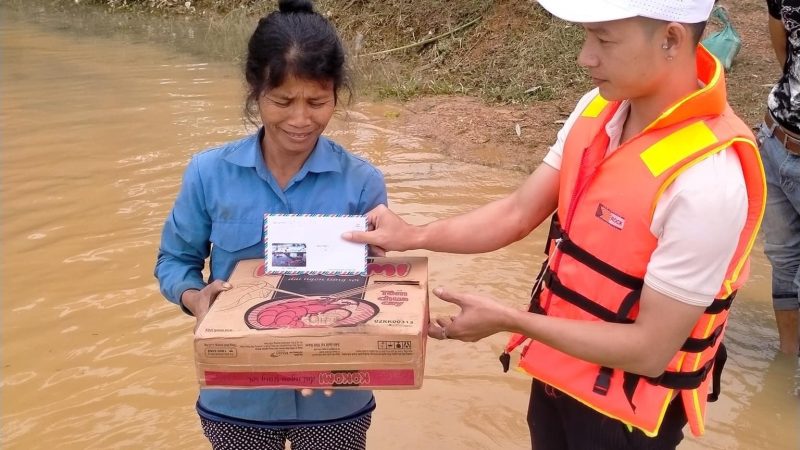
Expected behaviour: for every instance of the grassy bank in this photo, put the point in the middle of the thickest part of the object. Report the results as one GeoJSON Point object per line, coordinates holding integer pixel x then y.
{"type": "Point", "coordinates": [503, 51]}
{"type": "Point", "coordinates": [498, 50]}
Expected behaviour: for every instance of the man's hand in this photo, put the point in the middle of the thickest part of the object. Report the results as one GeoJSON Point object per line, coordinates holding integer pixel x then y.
{"type": "Point", "coordinates": [199, 302]}
{"type": "Point", "coordinates": [387, 232]}
{"type": "Point", "coordinates": [479, 317]}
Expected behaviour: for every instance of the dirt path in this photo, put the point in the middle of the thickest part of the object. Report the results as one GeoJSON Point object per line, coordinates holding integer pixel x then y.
{"type": "Point", "coordinates": [471, 130]}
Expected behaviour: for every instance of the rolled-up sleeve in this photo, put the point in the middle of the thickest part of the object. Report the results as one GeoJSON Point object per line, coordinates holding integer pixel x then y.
{"type": "Point", "coordinates": [373, 192]}
{"type": "Point", "coordinates": [185, 239]}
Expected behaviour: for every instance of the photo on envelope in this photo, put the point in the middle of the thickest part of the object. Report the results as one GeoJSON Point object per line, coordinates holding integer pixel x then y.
{"type": "Point", "coordinates": [288, 255]}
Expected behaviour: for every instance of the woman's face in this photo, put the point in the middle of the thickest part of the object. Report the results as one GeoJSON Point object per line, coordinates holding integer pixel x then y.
{"type": "Point", "coordinates": [295, 114]}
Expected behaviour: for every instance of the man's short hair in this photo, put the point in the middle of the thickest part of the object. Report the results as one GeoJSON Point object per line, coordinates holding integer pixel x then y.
{"type": "Point", "coordinates": [696, 30]}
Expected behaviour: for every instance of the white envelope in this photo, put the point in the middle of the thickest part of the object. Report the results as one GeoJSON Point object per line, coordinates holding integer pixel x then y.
{"type": "Point", "coordinates": [297, 243]}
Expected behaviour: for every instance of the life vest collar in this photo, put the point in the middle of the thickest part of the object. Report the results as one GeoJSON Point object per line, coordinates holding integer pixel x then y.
{"type": "Point", "coordinates": [710, 100]}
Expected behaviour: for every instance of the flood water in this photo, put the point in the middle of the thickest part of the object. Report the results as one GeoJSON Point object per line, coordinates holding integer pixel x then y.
{"type": "Point", "coordinates": [95, 135]}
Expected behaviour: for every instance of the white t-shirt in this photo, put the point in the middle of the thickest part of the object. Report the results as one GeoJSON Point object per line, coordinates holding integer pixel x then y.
{"type": "Point", "coordinates": [697, 220]}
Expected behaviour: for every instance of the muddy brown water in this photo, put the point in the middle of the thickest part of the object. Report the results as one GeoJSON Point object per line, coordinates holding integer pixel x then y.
{"type": "Point", "coordinates": [95, 135]}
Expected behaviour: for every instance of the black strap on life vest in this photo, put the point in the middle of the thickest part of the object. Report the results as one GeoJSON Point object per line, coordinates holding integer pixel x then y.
{"type": "Point", "coordinates": [603, 381]}
{"type": "Point", "coordinates": [570, 248]}
{"type": "Point", "coordinates": [719, 362]}
{"type": "Point", "coordinates": [693, 380]}
{"type": "Point", "coordinates": [683, 380]}
{"type": "Point", "coordinates": [697, 345]}
{"type": "Point", "coordinates": [721, 304]}
{"type": "Point", "coordinates": [535, 305]}
{"type": "Point", "coordinates": [555, 233]}
{"type": "Point", "coordinates": [565, 245]}
{"type": "Point", "coordinates": [630, 381]}
{"type": "Point", "coordinates": [675, 380]}
{"type": "Point", "coordinates": [669, 379]}
{"type": "Point", "coordinates": [556, 287]}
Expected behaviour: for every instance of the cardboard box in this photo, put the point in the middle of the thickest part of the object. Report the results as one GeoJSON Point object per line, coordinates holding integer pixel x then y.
{"type": "Point", "coordinates": [317, 331]}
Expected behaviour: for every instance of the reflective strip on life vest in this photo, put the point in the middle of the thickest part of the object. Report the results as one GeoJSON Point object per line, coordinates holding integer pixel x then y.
{"type": "Point", "coordinates": [672, 149]}
{"type": "Point", "coordinates": [595, 107]}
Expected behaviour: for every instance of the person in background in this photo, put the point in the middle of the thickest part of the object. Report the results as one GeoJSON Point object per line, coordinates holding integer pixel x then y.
{"type": "Point", "coordinates": [779, 142]}
{"type": "Point", "coordinates": [659, 193]}
{"type": "Point", "coordinates": [295, 72]}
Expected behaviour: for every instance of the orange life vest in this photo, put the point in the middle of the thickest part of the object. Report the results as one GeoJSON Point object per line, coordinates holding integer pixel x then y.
{"type": "Point", "coordinates": [598, 252]}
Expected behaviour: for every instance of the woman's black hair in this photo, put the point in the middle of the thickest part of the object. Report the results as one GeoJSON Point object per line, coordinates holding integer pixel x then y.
{"type": "Point", "coordinates": [293, 41]}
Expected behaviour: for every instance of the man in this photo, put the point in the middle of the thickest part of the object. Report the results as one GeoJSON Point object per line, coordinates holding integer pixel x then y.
{"type": "Point", "coordinates": [779, 140]}
{"type": "Point", "coordinates": [659, 193]}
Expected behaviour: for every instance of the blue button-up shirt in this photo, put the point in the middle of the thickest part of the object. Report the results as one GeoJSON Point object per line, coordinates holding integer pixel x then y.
{"type": "Point", "coordinates": [219, 212]}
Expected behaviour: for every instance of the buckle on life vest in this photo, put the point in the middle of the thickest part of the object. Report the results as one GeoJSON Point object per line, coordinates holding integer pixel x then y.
{"type": "Point", "coordinates": [629, 383]}
{"type": "Point", "coordinates": [603, 381]}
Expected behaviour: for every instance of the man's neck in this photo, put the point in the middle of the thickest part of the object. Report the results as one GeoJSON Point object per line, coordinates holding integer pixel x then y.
{"type": "Point", "coordinates": [646, 110]}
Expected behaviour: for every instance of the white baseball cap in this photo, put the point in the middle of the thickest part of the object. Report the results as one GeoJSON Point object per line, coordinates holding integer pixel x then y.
{"type": "Point", "coordinates": [588, 11]}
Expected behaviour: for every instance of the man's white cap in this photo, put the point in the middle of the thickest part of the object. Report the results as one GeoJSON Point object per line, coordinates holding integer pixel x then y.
{"type": "Point", "coordinates": [588, 11]}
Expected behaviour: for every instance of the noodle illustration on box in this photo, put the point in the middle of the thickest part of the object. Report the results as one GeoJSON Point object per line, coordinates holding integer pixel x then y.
{"type": "Point", "coordinates": [310, 312]}
{"type": "Point", "coordinates": [289, 309]}
{"type": "Point", "coordinates": [310, 330]}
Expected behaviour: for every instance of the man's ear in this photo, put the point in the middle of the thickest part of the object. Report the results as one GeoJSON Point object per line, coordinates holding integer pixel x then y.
{"type": "Point", "coordinates": [676, 35]}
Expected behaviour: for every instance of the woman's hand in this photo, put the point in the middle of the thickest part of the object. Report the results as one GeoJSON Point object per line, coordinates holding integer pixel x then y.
{"type": "Point", "coordinates": [199, 302]}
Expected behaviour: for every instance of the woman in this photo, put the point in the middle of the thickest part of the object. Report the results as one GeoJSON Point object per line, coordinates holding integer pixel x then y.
{"type": "Point", "coordinates": [294, 71]}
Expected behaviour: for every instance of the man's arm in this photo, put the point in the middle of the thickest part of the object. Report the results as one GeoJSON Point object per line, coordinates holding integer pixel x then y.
{"type": "Point", "coordinates": [777, 34]}
{"type": "Point", "coordinates": [498, 223]}
{"type": "Point", "coordinates": [683, 276]}
{"type": "Point", "coordinates": [485, 229]}
{"type": "Point", "coordinates": [644, 347]}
